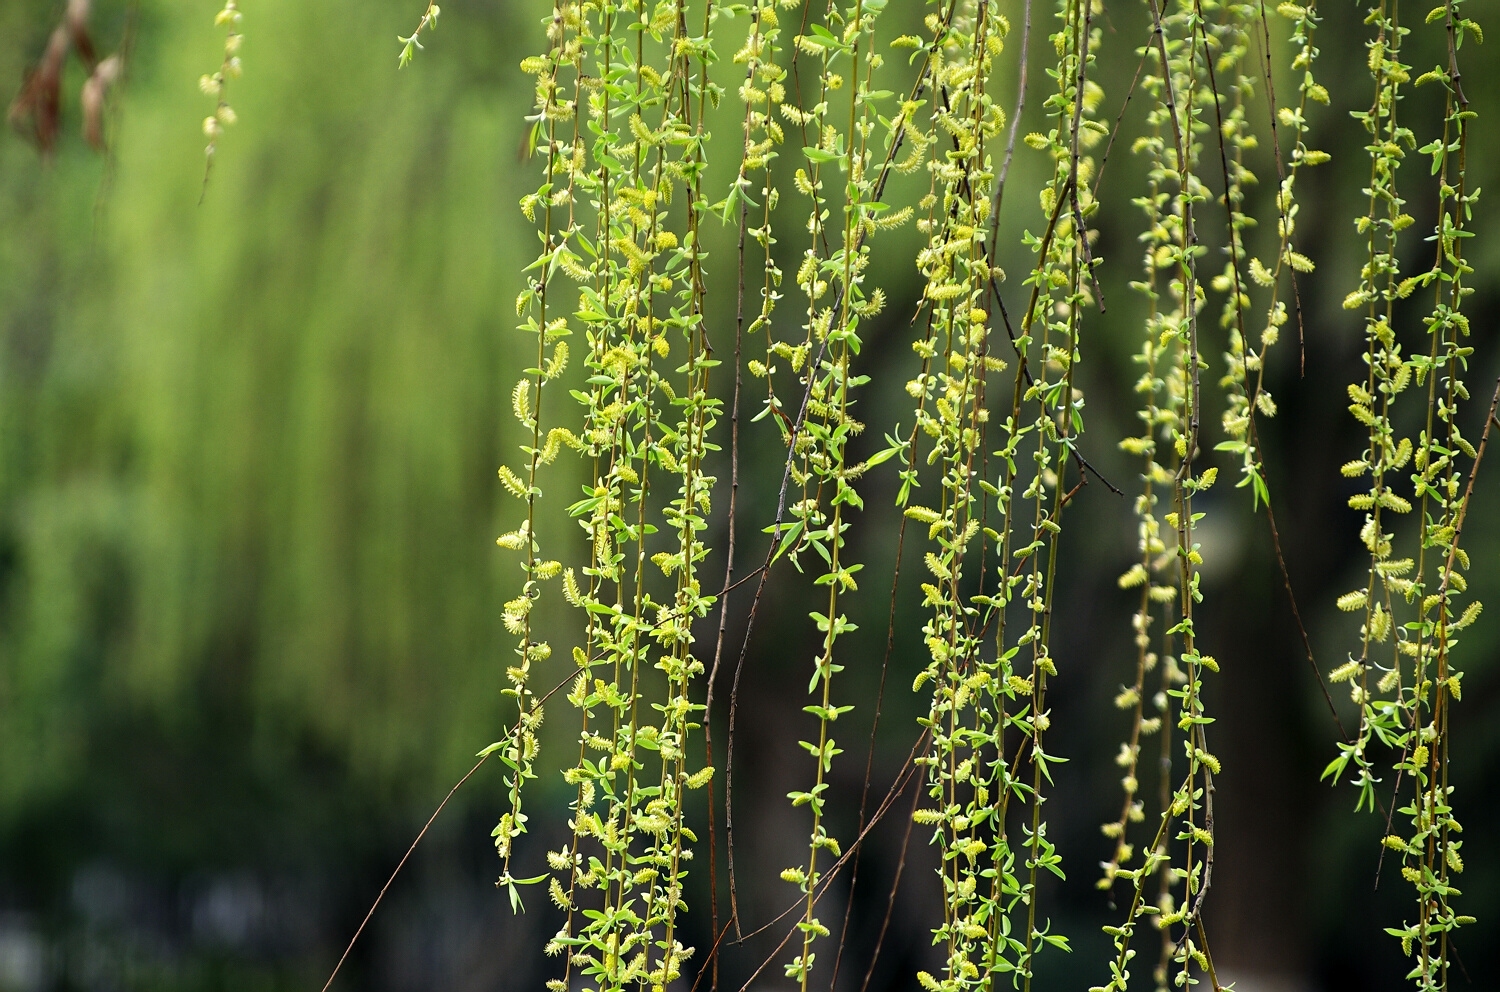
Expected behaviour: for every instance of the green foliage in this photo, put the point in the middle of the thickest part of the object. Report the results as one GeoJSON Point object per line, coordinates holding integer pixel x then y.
{"type": "Point", "coordinates": [984, 731]}
{"type": "Point", "coordinates": [614, 314]}
{"type": "Point", "coordinates": [243, 467]}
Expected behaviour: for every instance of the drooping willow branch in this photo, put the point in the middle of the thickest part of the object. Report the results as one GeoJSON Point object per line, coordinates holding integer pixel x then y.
{"type": "Point", "coordinates": [1200, 88]}
{"type": "Point", "coordinates": [976, 696]}
{"type": "Point", "coordinates": [642, 80]}
{"type": "Point", "coordinates": [552, 203]}
{"type": "Point", "coordinates": [819, 455]}
{"type": "Point", "coordinates": [216, 85]}
{"type": "Point", "coordinates": [1411, 604]}
{"type": "Point", "coordinates": [1246, 392]}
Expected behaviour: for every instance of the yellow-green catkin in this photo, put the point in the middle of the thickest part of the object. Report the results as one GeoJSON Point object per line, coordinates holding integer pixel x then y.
{"type": "Point", "coordinates": [1186, 57]}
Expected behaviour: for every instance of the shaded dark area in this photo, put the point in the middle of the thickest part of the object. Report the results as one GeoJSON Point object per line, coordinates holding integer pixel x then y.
{"type": "Point", "coordinates": [250, 603]}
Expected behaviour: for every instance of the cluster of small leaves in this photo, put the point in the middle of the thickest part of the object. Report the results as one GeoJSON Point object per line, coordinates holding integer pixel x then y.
{"type": "Point", "coordinates": [1413, 603]}
{"type": "Point", "coordinates": [1229, 90]}
{"type": "Point", "coordinates": [411, 44]}
{"type": "Point", "coordinates": [1184, 56]}
{"type": "Point", "coordinates": [216, 84]}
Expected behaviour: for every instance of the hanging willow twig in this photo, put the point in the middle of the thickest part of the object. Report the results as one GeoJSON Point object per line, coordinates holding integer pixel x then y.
{"type": "Point", "coordinates": [216, 85]}
{"type": "Point", "coordinates": [1410, 602]}
{"type": "Point", "coordinates": [641, 301]}
{"type": "Point", "coordinates": [527, 403]}
{"type": "Point", "coordinates": [820, 465]}
{"type": "Point", "coordinates": [966, 783]}
{"type": "Point", "coordinates": [1192, 54]}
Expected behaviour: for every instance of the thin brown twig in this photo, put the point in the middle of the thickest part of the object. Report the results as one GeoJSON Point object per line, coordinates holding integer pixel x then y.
{"type": "Point", "coordinates": [729, 584]}
{"type": "Point", "coordinates": [902, 778]}
{"type": "Point", "coordinates": [906, 775]}
{"type": "Point", "coordinates": [864, 794]}
{"type": "Point", "coordinates": [399, 865]}
{"type": "Point", "coordinates": [1119, 120]}
{"type": "Point", "coordinates": [1015, 123]}
{"type": "Point", "coordinates": [1291, 598]}
{"type": "Point", "coordinates": [423, 833]}
{"type": "Point", "coordinates": [1084, 465]}
{"type": "Point", "coordinates": [890, 903]}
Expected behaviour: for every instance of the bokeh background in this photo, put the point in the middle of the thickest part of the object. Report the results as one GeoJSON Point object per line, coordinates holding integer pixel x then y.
{"type": "Point", "coordinates": [249, 596]}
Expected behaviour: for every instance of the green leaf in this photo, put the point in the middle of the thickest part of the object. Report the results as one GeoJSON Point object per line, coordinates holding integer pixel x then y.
{"type": "Point", "coordinates": [791, 534]}
{"type": "Point", "coordinates": [819, 155]}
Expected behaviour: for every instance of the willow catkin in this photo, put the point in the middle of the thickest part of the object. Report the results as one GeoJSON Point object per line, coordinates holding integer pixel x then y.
{"type": "Point", "coordinates": [543, 317]}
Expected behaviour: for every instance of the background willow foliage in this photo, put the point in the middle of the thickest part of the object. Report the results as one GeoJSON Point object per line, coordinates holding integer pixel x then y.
{"type": "Point", "coordinates": [251, 627]}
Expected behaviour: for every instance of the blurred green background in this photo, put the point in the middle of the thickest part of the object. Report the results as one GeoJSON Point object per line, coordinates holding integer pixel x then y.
{"type": "Point", "coordinates": [249, 596]}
